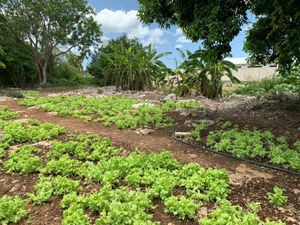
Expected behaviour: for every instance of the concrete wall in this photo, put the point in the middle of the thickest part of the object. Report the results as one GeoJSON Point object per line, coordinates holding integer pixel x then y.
{"type": "Point", "coordinates": [248, 73]}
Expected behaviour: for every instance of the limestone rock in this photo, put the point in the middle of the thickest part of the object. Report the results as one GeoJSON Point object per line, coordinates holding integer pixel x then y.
{"type": "Point", "coordinates": [170, 97]}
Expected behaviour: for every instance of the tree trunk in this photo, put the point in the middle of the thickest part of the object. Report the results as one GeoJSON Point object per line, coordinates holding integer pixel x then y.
{"type": "Point", "coordinates": [44, 74]}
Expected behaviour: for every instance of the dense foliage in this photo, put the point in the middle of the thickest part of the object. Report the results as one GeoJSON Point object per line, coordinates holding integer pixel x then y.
{"type": "Point", "coordinates": [45, 25]}
{"type": "Point", "coordinates": [19, 67]}
{"type": "Point", "coordinates": [98, 65]}
{"type": "Point", "coordinates": [203, 68]}
{"type": "Point", "coordinates": [215, 23]}
{"type": "Point", "coordinates": [274, 36]}
{"type": "Point", "coordinates": [130, 65]}
{"type": "Point", "coordinates": [66, 71]}
{"type": "Point", "coordinates": [111, 110]}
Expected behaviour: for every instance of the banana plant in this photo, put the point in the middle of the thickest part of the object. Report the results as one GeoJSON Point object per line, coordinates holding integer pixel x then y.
{"type": "Point", "coordinates": [209, 72]}
{"type": "Point", "coordinates": [183, 77]}
{"type": "Point", "coordinates": [135, 67]}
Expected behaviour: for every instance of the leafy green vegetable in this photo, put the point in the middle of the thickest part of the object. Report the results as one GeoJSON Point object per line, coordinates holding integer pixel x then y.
{"type": "Point", "coordinates": [5, 114]}
{"type": "Point", "coordinates": [12, 209]}
{"type": "Point", "coordinates": [181, 207]}
{"type": "Point", "coordinates": [255, 143]}
{"type": "Point", "coordinates": [111, 110]}
{"type": "Point", "coordinates": [115, 206]}
{"type": "Point", "coordinates": [65, 166]}
{"type": "Point", "coordinates": [277, 198]}
{"type": "Point", "coordinates": [26, 131]}
{"type": "Point", "coordinates": [53, 186]}
{"type": "Point", "coordinates": [235, 215]}
{"type": "Point", "coordinates": [23, 160]}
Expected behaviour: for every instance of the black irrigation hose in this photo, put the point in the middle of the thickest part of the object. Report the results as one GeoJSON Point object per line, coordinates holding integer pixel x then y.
{"type": "Point", "coordinates": [232, 156]}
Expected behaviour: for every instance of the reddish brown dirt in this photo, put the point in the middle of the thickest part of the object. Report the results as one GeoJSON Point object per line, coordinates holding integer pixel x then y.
{"type": "Point", "coordinates": [251, 182]}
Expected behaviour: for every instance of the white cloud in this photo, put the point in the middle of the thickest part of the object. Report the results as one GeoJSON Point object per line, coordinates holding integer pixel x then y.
{"type": "Point", "coordinates": [183, 39]}
{"type": "Point", "coordinates": [117, 21]}
{"type": "Point", "coordinates": [180, 46]}
{"type": "Point", "coordinates": [246, 27]}
{"type": "Point", "coordinates": [178, 32]}
{"type": "Point", "coordinates": [120, 21]}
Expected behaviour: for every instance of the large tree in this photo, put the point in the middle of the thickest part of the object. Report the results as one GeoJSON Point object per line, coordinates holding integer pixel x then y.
{"type": "Point", "coordinates": [215, 22]}
{"type": "Point", "coordinates": [17, 67]}
{"type": "Point", "coordinates": [50, 24]}
{"type": "Point", "coordinates": [274, 37]}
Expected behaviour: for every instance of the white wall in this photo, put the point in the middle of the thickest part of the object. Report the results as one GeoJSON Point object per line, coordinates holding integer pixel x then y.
{"type": "Point", "coordinates": [248, 73]}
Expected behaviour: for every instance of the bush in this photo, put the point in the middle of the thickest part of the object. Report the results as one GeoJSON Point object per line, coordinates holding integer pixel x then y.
{"type": "Point", "coordinates": [67, 75]}
{"type": "Point", "coordinates": [14, 93]}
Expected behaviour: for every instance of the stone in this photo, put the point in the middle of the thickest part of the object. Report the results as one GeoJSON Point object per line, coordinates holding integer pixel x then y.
{"type": "Point", "coordinates": [188, 112]}
{"type": "Point", "coordinates": [135, 106]}
{"type": "Point", "coordinates": [145, 131]}
{"type": "Point", "coordinates": [209, 122]}
{"type": "Point", "coordinates": [170, 97]}
{"type": "Point", "coordinates": [203, 212]}
{"type": "Point", "coordinates": [296, 191]}
{"type": "Point", "coordinates": [184, 112]}
{"type": "Point", "coordinates": [52, 113]}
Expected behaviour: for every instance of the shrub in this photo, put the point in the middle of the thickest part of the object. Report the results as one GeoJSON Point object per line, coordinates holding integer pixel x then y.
{"type": "Point", "coordinates": [67, 75]}
{"type": "Point", "coordinates": [284, 83]}
{"type": "Point", "coordinates": [14, 93]}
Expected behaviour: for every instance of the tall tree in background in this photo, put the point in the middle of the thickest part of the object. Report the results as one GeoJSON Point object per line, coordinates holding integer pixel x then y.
{"type": "Point", "coordinates": [18, 67]}
{"type": "Point", "coordinates": [50, 24]}
{"type": "Point", "coordinates": [274, 37]}
{"type": "Point", "coordinates": [2, 65]}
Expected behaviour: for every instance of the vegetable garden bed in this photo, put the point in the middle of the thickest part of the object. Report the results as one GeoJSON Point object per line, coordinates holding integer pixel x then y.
{"type": "Point", "coordinates": [126, 185]}
{"type": "Point", "coordinates": [122, 111]}
{"type": "Point", "coordinates": [250, 144]}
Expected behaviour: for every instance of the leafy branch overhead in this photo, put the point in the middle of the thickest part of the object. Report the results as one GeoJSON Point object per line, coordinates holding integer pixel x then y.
{"type": "Point", "coordinates": [273, 37]}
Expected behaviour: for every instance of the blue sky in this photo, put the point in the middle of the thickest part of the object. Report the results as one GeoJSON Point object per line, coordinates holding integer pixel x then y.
{"type": "Point", "coordinates": [119, 16]}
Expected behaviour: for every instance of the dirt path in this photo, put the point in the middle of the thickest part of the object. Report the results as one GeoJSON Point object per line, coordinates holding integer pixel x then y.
{"type": "Point", "coordinates": [248, 182]}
